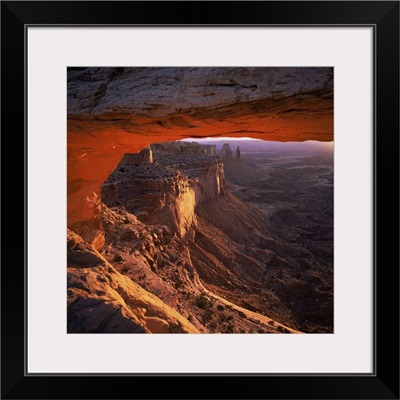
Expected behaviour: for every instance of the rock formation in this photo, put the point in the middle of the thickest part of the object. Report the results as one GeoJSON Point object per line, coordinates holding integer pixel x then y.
{"type": "Point", "coordinates": [167, 190]}
{"type": "Point", "coordinates": [100, 299]}
{"type": "Point", "coordinates": [210, 149]}
{"type": "Point", "coordinates": [226, 152]}
{"type": "Point", "coordinates": [155, 242]}
{"type": "Point", "coordinates": [114, 111]}
{"type": "Point", "coordinates": [165, 96]}
{"type": "Point", "coordinates": [143, 157]}
{"type": "Point", "coordinates": [182, 254]}
{"type": "Point", "coordinates": [146, 279]}
{"type": "Point", "coordinates": [238, 158]}
{"type": "Point", "coordinates": [164, 265]}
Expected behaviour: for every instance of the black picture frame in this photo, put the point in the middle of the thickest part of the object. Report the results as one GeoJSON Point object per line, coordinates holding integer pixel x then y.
{"type": "Point", "coordinates": [383, 383]}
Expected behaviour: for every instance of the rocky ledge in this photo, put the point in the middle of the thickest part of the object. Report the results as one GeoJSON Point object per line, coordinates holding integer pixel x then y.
{"type": "Point", "coordinates": [101, 299]}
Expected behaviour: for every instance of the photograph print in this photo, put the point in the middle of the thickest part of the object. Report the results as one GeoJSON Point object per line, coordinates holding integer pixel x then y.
{"type": "Point", "coordinates": [200, 200]}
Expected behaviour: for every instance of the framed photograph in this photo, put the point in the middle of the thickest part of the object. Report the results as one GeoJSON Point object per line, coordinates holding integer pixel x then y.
{"type": "Point", "coordinates": [210, 198]}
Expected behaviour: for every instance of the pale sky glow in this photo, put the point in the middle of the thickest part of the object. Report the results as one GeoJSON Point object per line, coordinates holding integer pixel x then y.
{"type": "Point", "coordinates": [215, 139]}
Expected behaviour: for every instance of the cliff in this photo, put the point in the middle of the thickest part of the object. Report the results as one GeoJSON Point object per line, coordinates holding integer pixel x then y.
{"type": "Point", "coordinates": [148, 280]}
{"type": "Point", "coordinates": [226, 153]}
{"type": "Point", "coordinates": [210, 149]}
{"type": "Point", "coordinates": [167, 190]}
{"type": "Point", "coordinates": [182, 254]}
{"type": "Point", "coordinates": [143, 157]}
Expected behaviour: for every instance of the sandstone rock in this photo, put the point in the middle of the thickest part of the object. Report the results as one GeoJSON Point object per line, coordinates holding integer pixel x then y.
{"type": "Point", "coordinates": [144, 156]}
{"type": "Point", "coordinates": [171, 271]}
{"type": "Point", "coordinates": [226, 152]}
{"type": "Point", "coordinates": [128, 234]}
{"type": "Point", "coordinates": [137, 247]}
{"type": "Point", "coordinates": [80, 254]}
{"type": "Point", "coordinates": [238, 158]}
{"type": "Point", "coordinates": [100, 299]}
{"type": "Point", "coordinates": [210, 149]}
{"type": "Point", "coordinates": [176, 148]}
{"type": "Point", "coordinates": [164, 92]}
{"type": "Point", "coordinates": [167, 191]}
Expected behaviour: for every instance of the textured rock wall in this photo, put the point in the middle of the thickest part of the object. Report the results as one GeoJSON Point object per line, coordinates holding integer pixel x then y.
{"type": "Point", "coordinates": [226, 153]}
{"type": "Point", "coordinates": [211, 183]}
{"type": "Point", "coordinates": [168, 190]}
{"type": "Point", "coordinates": [211, 149]}
{"type": "Point", "coordinates": [163, 93]}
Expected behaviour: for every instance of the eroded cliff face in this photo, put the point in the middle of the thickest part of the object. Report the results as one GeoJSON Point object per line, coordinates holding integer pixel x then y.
{"type": "Point", "coordinates": [164, 183]}
{"type": "Point", "coordinates": [199, 163]}
{"type": "Point", "coordinates": [114, 111]}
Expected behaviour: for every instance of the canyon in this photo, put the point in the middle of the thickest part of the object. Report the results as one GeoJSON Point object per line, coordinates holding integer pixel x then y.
{"type": "Point", "coordinates": [174, 229]}
{"type": "Point", "coordinates": [172, 237]}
